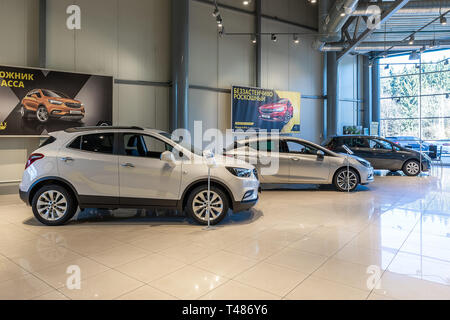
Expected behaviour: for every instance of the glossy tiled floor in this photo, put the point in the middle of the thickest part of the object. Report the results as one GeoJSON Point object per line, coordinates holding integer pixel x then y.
{"type": "Point", "coordinates": [390, 240]}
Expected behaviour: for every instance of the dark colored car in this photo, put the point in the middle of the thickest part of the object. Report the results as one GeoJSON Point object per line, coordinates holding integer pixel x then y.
{"type": "Point", "coordinates": [409, 142]}
{"type": "Point", "coordinates": [280, 111]}
{"type": "Point", "coordinates": [381, 153]}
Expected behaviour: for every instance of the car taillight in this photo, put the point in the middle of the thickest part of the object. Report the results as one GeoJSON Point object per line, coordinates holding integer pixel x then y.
{"type": "Point", "coordinates": [32, 158]}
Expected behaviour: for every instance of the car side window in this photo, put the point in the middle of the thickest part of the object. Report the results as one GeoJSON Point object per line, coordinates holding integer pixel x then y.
{"type": "Point", "coordinates": [138, 145]}
{"type": "Point", "coordinates": [264, 145]}
{"type": "Point", "coordinates": [297, 147]}
{"type": "Point", "coordinates": [37, 93]}
{"type": "Point", "coordinates": [97, 142]}
{"type": "Point", "coordinates": [379, 144]}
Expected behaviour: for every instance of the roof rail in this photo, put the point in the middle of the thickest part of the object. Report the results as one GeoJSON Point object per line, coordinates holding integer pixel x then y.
{"type": "Point", "coordinates": [92, 128]}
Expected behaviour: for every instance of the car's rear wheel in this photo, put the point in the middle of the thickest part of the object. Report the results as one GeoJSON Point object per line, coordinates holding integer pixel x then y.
{"type": "Point", "coordinates": [411, 168]}
{"type": "Point", "coordinates": [346, 180]}
{"type": "Point", "coordinates": [197, 205]}
{"type": "Point", "coordinates": [23, 112]}
{"type": "Point", "coordinates": [53, 205]}
{"type": "Point", "coordinates": [42, 114]}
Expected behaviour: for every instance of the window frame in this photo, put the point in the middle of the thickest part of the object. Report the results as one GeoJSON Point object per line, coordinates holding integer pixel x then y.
{"type": "Point", "coordinates": [114, 151]}
{"type": "Point", "coordinates": [121, 145]}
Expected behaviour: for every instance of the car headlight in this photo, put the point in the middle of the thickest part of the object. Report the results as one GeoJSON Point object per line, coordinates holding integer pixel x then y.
{"type": "Point", "coordinates": [364, 163]}
{"type": "Point", "coordinates": [240, 172]}
{"type": "Point", "coordinates": [280, 109]}
{"type": "Point", "coordinates": [55, 102]}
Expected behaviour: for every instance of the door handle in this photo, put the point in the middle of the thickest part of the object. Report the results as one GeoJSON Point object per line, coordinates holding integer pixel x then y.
{"type": "Point", "coordinates": [128, 165]}
{"type": "Point", "coordinates": [66, 159]}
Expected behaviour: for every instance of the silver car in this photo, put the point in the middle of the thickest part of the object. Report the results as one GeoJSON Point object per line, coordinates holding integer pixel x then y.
{"type": "Point", "coordinates": [283, 159]}
{"type": "Point", "coordinates": [131, 167]}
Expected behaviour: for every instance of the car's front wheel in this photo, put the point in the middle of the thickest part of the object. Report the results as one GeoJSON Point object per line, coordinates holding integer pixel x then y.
{"type": "Point", "coordinates": [197, 205]}
{"type": "Point", "coordinates": [42, 114]}
{"type": "Point", "coordinates": [346, 180]}
{"type": "Point", "coordinates": [53, 205]}
{"type": "Point", "coordinates": [411, 168]}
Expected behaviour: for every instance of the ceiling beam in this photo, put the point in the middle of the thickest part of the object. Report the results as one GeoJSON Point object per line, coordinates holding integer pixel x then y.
{"type": "Point", "coordinates": [398, 4]}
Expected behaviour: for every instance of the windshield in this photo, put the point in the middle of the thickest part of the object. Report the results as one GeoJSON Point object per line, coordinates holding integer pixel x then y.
{"type": "Point", "coordinates": [184, 144]}
{"type": "Point", "coordinates": [54, 94]}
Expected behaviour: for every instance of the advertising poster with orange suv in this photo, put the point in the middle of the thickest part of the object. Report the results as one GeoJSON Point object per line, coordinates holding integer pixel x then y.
{"type": "Point", "coordinates": [38, 101]}
{"type": "Point", "coordinates": [256, 108]}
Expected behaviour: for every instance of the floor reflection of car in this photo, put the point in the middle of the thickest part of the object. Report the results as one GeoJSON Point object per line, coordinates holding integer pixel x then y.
{"type": "Point", "coordinates": [297, 161]}
{"type": "Point", "coordinates": [280, 111]}
{"type": "Point", "coordinates": [46, 104]}
{"type": "Point", "coordinates": [382, 153]}
{"type": "Point", "coordinates": [410, 142]}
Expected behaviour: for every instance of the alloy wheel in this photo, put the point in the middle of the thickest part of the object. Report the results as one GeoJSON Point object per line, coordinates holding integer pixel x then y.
{"type": "Point", "coordinates": [412, 168]}
{"type": "Point", "coordinates": [347, 180]}
{"type": "Point", "coordinates": [52, 205]}
{"type": "Point", "coordinates": [42, 114]}
{"type": "Point", "coordinates": [200, 205]}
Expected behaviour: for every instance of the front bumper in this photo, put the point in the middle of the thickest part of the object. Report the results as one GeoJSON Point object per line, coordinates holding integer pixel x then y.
{"type": "Point", "coordinates": [369, 177]}
{"type": "Point", "coordinates": [273, 117]}
{"type": "Point", "coordinates": [239, 206]}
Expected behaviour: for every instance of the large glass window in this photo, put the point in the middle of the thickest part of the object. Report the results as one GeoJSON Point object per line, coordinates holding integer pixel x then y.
{"type": "Point", "coordinates": [415, 98]}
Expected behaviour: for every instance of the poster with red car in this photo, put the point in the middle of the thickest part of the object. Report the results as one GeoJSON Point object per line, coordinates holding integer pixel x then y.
{"type": "Point", "coordinates": [265, 109]}
{"type": "Point", "coordinates": [37, 101]}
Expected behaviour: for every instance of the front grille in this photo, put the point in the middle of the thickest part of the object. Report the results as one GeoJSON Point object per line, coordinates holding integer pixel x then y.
{"type": "Point", "coordinates": [255, 172]}
{"type": "Point", "coordinates": [73, 105]}
{"type": "Point", "coordinates": [266, 110]}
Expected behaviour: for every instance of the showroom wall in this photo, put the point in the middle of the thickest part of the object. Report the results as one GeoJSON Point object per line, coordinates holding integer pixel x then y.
{"type": "Point", "coordinates": [220, 62]}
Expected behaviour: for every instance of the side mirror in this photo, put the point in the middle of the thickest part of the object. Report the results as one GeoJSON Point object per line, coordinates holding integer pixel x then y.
{"type": "Point", "coordinates": [320, 154]}
{"type": "Point", "coordinates": [168, 157]}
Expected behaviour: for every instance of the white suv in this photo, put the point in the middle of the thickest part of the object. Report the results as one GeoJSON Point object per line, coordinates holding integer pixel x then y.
{"type": "Point", "coordinates": [131, 167]}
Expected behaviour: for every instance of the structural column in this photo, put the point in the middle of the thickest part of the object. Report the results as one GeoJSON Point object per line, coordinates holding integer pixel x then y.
{"type": "Point", "coordinates": [376, 113]}
{"type": "Point", "coordinates": [178, 113]}
{"type": "Point", "coordinates": [258, 42]}
{"type": "Point", "coordinates": [332, 94]}
{"type": "Point", "coordinates": [42, 33]}
{"type": "Point", "coordinates": [367, 92]}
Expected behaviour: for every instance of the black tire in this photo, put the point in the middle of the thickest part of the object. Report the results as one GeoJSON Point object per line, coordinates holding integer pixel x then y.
{"type": "Point", "coordinates": [341, 185]}
{"type": "Point", "coordinates": [193, 197]}
{"type": "Point", "coordinates": [411, 168]}
{"type": "Point", "coordinates": [56, 191]}
{"type": "Point", "coordinates": [24, 112]}
{"type": "Point", "coordinates": [44, 110]}
{"type": "Point", "coordinates": [287, 118]}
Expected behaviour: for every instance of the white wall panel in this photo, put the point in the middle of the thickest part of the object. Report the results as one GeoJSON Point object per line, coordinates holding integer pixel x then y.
{"type": "Point", "coordinates": [142, 106]}
{"type": "Point", "coordinates": [144, 40]}
{"type": "Point", "coordinates": [19, 32]}
{"type": "Point", "coordinates": [15, 152]}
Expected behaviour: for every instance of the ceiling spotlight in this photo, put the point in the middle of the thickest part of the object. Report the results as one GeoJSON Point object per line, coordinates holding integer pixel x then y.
{"type": "Point", "coordinates": [313, 1]}
{"type": "Point", "coordinates": [411, 40]}
{"type": "Point", "coordinates": [253, 39]}
{"type": "Point", "coordinates": [296, 39]}
{"type": "Point", "coordinates": [343, 14]}
{"type": "Point", "coordinates": [246, 2]}
{"type": "Point", "coordinates": [219, 21]}
{"type": "Point", "coordinates": [443, 20]}
{"type": "Point", "coordinates": [273, 37]}
{"type": "Point", "coordinates": [221, 30]}
{"type": "Point", "coordinates": [215, 12]}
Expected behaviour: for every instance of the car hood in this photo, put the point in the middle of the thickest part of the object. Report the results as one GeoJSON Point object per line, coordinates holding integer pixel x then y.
{"type": "Point", "coordinates": [232, 162]}
{"type": "Point", "coordinates": [64, 100]}
{"type": "Point", "coordinates": [273, 106]}
{"type": "Point", "coordinates": [344, 155]}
